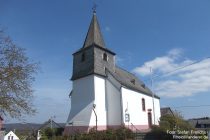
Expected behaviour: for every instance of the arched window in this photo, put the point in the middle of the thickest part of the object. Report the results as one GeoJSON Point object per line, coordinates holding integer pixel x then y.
{"type": "Point", "coordinates": [105, 57]}
{"type": "Point", "coordinates": [83, 57]}
{"type": "Point", "coordinates": [143, 104]}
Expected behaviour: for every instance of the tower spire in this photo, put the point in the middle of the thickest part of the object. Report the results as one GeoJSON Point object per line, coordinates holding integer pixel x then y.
{"type": "Point", "coordinates": [94, 35]}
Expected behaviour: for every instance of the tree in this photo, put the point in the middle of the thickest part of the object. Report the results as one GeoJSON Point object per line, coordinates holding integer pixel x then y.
{"type": "Point", "coordinates": [169, 123]}
{"type": "Point", "coordinates": [176, 121]}
{"type": "Point", "coordinates": [16, 78]}
{"type": "Point", "coordinates": [51, 133]}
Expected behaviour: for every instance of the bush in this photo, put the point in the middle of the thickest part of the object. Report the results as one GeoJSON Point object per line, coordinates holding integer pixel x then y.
{"type": "Point", "coordinates": [168, 123]}
{"type": "Point", "coordinates": [158, 133]}
{"type": "Point", "coordinates": [51, 133]}
{"type": "Point", "coordinates": [109, 134]}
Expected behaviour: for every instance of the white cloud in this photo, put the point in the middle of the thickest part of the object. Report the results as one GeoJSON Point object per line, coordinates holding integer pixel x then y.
{"type": "Point", "coordinates": [175, 52]}
{"type": "Point", "coordinates": [160, 64]}
{"type": "Point", "coordinates": [188, 81]}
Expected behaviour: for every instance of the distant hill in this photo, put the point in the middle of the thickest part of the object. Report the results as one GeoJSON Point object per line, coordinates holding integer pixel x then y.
{"type": "Point", "coordinates": [21, 127]}
{"type": "Point", "coordinates": [25, 126]}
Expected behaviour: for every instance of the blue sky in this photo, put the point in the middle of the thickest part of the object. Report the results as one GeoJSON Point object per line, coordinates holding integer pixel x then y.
{"type": "Point", "coordinates": [163, 34]}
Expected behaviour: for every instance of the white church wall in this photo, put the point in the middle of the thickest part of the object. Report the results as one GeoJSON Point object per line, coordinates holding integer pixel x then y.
{"type": "Point", "coordinates": [132, 105]}
{"type": "Point", "coordinates": [99, 88]}
{"type": "Point", "coordinates": [114, 114]}
{"type": "Point", "coordinates": [82, 100]}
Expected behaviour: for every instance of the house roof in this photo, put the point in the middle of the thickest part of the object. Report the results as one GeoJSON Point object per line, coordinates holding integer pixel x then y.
{"type": "Point", "coordinates": [130, 81]}
{"type": "Point", "coordinates": [166, 111]}
{"type": "Point", "coordinates": [198, 122]}
{"type": "Point", "coordinates": [192, 122]}
{"type": "Point", "coordinates": [206, 121]}
{"type": "Point", "coordinates": [94, 35]}
{"type": "Point", "coordinates": [50, 123]}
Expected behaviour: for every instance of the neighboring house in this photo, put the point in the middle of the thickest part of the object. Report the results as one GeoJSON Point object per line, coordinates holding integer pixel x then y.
{"type": "Point", "coordinates": [49, 124]}
{"type": "Point", "coordinates": [11, 136]}
{"type": "Point", "coordinates": [105, 95]}
{"type": "Point", "coordinates": [29, 130]}
{"type": "Point", "coordinates": [201, 124]}
{"type": "Point", "coordinates": [166, 111]}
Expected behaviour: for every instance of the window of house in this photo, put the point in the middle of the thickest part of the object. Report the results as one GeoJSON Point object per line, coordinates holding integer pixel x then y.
{"type": "Point", "coordinates": [8, 137]}
{"type": "Point", "coordinates": [143, 104]}
{"type": "Point", "coordinates": [12, 138]}
{"type": "Point", "coordinates": [105, 57]}
{"type": "Point", "coordinates": [83, 57]}
{"type": "Point", "coordinates": [133, 81]}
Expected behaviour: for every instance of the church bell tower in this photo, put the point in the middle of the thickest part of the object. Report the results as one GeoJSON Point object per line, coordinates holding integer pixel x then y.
{"type": "Point", "coordinates": [88, 96]}
{"type": "Point", "coordinates": [93, 57]}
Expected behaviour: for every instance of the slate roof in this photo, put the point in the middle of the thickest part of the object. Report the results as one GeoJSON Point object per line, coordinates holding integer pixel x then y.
{"type": "Point", "coordinates": [130, 81]}
{"type": "Point", "coordinates": [203, 121]}
{"type": "Point", "coordinates": [94, 35]}
{"type": "Point", "coordinates": [192, 122]}
{"type": "Point", "coordinates": [166, 111]}
{"type": "Point", "coordinates": [200, 123]}
{"type": "Point", "coordinates": [48, 124]}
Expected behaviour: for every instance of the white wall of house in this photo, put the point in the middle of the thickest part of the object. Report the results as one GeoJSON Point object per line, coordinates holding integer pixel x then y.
{"type": "Point", "coordinates": [132, 103]}
{"type": "Point", "coordinates": [11, 136]}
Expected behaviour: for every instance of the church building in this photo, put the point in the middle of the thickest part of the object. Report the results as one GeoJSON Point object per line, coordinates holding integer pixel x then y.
{"type": "Point", "coordinates": [104, 95]}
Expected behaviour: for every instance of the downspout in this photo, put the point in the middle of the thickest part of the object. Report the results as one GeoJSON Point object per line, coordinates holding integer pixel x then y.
{"type": "Point", "coordinates": [121, 106]}
{"type": "Point", "coordinates": [106, 102]}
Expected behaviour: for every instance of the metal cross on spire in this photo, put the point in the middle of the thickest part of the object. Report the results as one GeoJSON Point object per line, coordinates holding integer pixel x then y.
{"type": "Point", "coordinates": [94, 6]}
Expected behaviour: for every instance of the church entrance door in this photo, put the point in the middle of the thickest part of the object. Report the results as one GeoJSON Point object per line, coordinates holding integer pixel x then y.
{"type": "Point", "coordinates": [150, 119]}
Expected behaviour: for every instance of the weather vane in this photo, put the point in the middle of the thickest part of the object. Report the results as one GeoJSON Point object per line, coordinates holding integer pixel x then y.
{"type": "Point", "coordinates": [94, 6]}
